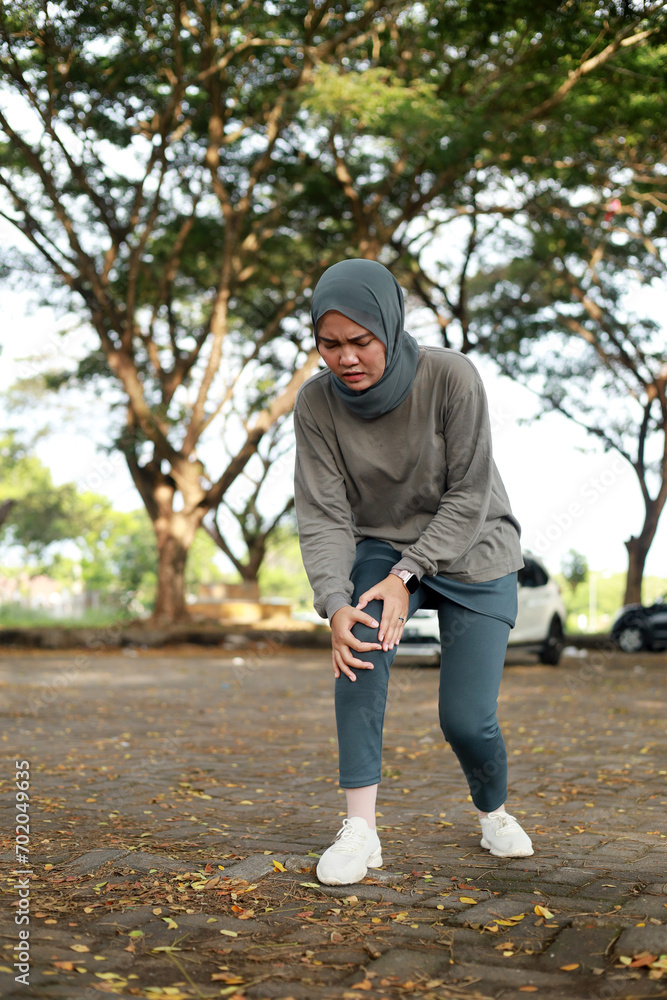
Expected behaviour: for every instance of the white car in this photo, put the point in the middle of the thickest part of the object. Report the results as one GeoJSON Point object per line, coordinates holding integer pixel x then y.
{"type": "Point", "coordinates": [539, 623]}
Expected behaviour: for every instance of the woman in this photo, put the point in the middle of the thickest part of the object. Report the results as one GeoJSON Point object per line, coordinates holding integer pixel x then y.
{"type": "Point", "coordinates": [399, 504]}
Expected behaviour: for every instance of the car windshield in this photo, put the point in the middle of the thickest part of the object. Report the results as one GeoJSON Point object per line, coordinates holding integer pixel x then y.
{"type": "Point", "coordinates": [532, 574]}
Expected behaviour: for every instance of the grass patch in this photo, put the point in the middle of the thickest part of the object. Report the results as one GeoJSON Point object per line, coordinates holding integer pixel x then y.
{"type": "Point", "coordinates": [16, 617]}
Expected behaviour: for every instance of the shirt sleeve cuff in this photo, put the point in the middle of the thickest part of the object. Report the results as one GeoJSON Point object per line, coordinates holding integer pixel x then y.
{"type": "Point", "coordinates": [412, 567]}
{"type": "Point", "coordinates": [334, 603]}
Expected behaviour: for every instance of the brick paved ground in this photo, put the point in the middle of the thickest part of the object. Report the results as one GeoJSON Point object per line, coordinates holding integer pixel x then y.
{"type": "Point", "coordinates": [170, 790]}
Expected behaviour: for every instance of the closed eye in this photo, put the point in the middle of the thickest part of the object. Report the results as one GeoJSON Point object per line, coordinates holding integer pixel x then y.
{"type": "Point", "coordinates": [329, 344]}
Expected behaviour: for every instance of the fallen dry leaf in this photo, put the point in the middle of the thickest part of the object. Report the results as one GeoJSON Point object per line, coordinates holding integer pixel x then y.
{"type": "Point", "coordinates": [164, 993]}
{"type": "Point", "coordinates": [511, 921]}
{"type": "Point", "coordinates": [644, 958]}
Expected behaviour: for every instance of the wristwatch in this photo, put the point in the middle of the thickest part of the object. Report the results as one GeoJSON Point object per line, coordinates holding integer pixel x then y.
{"type": "Point", "coordinates": [409, 579]}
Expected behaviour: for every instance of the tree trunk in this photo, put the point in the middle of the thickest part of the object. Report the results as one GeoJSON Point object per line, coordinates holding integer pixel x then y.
{"type": "Point", "coordinates": [637, 553]}
{"type": "Point", "coordinates": [174, 536]}
{"type": "Point", "coordinates": [638, 548]}
{"type": "Point", "coordinates": [6, 509]}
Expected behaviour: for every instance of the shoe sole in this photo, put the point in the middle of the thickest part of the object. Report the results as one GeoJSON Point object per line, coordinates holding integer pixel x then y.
{"type": "Point", "coordinates": [504, 854]}
{"type": "Point", "coordinates": [375, 861]}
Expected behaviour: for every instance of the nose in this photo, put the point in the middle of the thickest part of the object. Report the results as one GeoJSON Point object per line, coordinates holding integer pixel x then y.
{"type": "Point", "coordinates": [349, 356]}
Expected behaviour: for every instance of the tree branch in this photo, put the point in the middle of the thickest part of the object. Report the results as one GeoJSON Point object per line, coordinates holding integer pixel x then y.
{"type": "Point", "coordinates": [624, 39]}
{"type": "Point", "coordinates": [279, 406]}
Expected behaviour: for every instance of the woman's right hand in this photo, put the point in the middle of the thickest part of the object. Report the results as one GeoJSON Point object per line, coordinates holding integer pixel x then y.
{"type": "Point", "coordinates": [343, 641]}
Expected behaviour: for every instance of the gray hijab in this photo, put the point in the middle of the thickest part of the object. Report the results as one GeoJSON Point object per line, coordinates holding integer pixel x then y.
{"type": "Point", "coordinates": [368, 294]}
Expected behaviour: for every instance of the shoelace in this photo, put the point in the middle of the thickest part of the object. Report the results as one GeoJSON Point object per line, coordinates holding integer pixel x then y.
{"type": "Point", "coordinates": [347, 838]}
{"type": "Point", "coordinates": [504, 821]}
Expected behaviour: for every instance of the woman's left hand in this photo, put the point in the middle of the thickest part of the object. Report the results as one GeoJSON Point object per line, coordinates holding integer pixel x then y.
{"type": "Point", "coordinates": [394, 595]}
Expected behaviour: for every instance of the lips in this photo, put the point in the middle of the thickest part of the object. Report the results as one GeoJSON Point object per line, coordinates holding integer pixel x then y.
{"type": "Point", "coordinates": [354, 376]}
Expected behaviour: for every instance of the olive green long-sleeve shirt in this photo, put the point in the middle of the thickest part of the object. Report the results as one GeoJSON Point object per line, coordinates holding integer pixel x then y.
{"type": "Point", "coordinates": [421, 477]}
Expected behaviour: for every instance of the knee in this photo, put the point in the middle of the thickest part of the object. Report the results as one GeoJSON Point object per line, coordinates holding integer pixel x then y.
{"type": "Point", "coordinates": [461, 728]}
{"type": "Point", "coordinates": [368, 633]}
{"type": "Point", "coordinates": [364, 633]}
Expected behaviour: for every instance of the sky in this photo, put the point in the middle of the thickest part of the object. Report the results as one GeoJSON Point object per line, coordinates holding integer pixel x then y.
{"type": "Point", "coordinates": [565, 490]}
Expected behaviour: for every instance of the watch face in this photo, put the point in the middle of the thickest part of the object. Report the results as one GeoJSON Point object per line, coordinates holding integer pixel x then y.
{"type": "Point", "coordinates": [412, 583]}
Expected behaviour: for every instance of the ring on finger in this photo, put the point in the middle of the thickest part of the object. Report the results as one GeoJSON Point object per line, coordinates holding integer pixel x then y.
{"type": "Point", "coordinates": [401, 619]}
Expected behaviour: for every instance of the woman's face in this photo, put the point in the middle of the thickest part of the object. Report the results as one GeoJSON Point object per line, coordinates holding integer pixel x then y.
{"type": "Point", "coordinates": [352, 353]}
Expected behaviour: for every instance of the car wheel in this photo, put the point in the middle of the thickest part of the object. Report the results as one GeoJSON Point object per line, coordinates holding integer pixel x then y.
{"type": "Point", "coordinates": [631, 638]}
{"type": "Point", "coordinates": [553, 644]}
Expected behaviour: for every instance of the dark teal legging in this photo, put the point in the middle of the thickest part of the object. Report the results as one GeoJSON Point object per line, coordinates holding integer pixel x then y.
{"type": "Point", "coordinates": [471, 665]}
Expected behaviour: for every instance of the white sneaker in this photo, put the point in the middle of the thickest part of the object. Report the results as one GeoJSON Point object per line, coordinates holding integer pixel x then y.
{"type": "Point", "coordinates": [355, 849]}
{"type": "Point", "coordinates": [502, 835]}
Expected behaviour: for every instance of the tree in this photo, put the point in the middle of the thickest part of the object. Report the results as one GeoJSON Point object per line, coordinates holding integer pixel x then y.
{"type": "Point", "coordinates": [36, 512]}
{"type": "Point", "coordinates": [184, 171]}
{"type": "Point", "coordinates": [254, 529]}
{"type": "Point", "coordinates": [119, 560]}
{"type": "Point", "coordinates": [574, 567]}
{"type": "Point", "coordinates": [122, 560]}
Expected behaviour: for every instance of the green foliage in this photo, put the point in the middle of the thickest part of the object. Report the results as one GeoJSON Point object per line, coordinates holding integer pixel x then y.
{"type": "Point", "coordinates": [120, 560]}
{"type": "Point", "coordinates": [574, 567]}
{"type": "Point", "coordinates": [376, 102]}
{"type": "Point", "coordinates": [42, 513]}
{"type": "Point", "coordinates": [118, 555]}
{"type": "Point", "coordinates": [249, 115]}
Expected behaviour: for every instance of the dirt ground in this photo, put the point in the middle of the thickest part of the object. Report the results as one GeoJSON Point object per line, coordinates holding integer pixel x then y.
{"type": "Point", "coordinates": [178, 802]}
